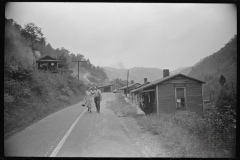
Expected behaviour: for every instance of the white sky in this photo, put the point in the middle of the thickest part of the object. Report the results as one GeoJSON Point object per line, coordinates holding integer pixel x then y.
{"type": "Point", "coordinates": [156, 35]}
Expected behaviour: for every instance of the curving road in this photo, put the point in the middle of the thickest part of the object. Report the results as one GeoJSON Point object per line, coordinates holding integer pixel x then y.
{"type": "Point", "coordinates": [74, 132]}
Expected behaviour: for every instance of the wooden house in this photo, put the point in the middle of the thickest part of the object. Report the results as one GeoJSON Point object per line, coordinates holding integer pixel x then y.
{"type": "Point", "coordinates": [136, 95]}
{"type": "Point", "coordinates": [110, 87]}
{"type": "Point", "coordinates": [171, 94]}
{"type": "Point", "coordinates": [47, 63]}
{"type": "Point", "coordinates": [131, 86]}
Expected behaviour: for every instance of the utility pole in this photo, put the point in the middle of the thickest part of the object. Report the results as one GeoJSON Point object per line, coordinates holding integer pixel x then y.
{"type": "Point", "coordinates": [78, 66]}
{"type": "Point", "coordinates": [127, 82]}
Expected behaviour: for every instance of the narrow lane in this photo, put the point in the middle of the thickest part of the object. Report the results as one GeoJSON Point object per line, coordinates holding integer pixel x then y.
{"type": "Point", "coordinates": [99, 135]}
{"type": "Point", "coordinates": [41, 138]}
{"type": "Point", "coordinates": [93, 135]}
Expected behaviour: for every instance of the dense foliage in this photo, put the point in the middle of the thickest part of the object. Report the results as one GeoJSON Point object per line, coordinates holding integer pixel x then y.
{"type": "Point", "coordinates": [209, 69]}
{"type": "Point", "coordinates": [30, 94]}
{"type": "Point", "coordinates": [119, 80]}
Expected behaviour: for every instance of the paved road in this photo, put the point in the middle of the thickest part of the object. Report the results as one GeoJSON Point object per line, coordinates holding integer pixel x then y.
{"type": "Point", "coordinates": [74, 132]}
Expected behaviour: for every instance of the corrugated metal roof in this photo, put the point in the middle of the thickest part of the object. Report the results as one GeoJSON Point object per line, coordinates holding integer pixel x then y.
{"type": "Point", "coordinates": [143, 84]}
{"type": "Point", "coordinates": [140, 86]}
{"type": "Point", "coordinates": [130, 85]}
{"type": "Point", "coordinates": [165, 79]}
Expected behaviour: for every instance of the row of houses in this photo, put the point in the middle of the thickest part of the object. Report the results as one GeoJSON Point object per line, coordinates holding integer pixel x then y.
{"type": "Point", "coordinates": [118, 86]}
{"type": "Point", "coordinates": [110, 87]}
{"type": "Point", "coordinates": [169, 94]}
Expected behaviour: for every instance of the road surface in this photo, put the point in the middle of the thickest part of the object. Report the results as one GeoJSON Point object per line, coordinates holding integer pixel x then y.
{"type": "Point", "coordinates": [74, 132]}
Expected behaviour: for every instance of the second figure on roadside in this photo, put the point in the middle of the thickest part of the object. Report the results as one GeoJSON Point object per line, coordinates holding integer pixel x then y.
{"type": "Point", "coordinates": [88, 99]}
{"type": "Point", "coordinates": [97, 98]}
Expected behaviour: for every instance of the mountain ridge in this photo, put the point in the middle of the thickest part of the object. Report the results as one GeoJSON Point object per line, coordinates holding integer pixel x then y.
{"type": "Point", "coordinates": [137, 74]}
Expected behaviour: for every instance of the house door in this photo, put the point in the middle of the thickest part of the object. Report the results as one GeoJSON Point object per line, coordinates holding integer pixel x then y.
{"type": "Point", "coordinates": [52, 67]}
{"type": "Point", "coordinates": [180, 94]}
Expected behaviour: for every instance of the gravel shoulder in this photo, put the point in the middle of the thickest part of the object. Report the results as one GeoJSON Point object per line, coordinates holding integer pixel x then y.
{"type": "Point", "coordinates": [149, 143]}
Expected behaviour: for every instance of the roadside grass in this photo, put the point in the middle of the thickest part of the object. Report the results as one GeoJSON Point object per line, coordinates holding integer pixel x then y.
{"type": "Point", "coordinates": [38, 97]}
{"type": "Point", "coordinates": [183, 135]}
{"type": "Point", "coordinates": [18, 119]}
{"type": "Point", "coordinates": [122, 107]}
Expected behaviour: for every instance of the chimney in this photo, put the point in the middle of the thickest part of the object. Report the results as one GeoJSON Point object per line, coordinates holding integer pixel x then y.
{"type": "Point", "coordinates": [145, 80]}
{"type": "Point", "coordinates": [165, 73]}
{"type": "Point", "coordinates": [132, 81]}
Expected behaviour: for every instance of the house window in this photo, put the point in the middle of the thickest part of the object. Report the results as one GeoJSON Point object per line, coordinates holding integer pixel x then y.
{"type": "Point", "coordinates": [43, 64]}
{"type": "Point", "coordinates": [180, 95]}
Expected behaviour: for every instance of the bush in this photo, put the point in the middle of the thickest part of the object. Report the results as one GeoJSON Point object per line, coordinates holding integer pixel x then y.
{"type": "Point", "coordinates": [36, 94]}
{"type": "Point", "coordinates": [187, 135]}
{"type": "Point", "coordinates": [74, 84]}
{"type": "Point", "coordinates": [64, 99]}
{"type": "Point", "coordinates": [8, 100]}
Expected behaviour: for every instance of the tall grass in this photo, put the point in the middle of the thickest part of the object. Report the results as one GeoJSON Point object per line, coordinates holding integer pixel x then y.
{"type": "Point", "coordinates": [186, 134]}
{"type": "Point", "coordinates": [122, 107]}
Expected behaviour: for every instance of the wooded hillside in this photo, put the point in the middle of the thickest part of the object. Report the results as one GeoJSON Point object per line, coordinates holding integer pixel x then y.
{"type": "Point", "coordinates": [222, 62]}
{"type": "Point", "coordinates": [31, 94]}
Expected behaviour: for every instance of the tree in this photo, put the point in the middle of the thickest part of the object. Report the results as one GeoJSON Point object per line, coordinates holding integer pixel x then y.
{"type": "Point", "coordinates": [222, 80]}
{"type": "Point", "coordinates": [63, 60]}
{"type": "Point", "coordinates": [34, 34]}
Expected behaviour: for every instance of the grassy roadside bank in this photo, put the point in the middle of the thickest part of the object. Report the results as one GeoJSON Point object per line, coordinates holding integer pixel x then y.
{"type": "Point", "coordinates": [35, 96]}
{"type": "Point", "coordinates": [22, 118]}
{"type": "Point", "coordinates": [182, 135]}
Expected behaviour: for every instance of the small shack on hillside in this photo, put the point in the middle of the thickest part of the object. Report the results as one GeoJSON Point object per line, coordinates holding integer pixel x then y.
{"type": "Point", "coordinates": [110, 87]}
{"type": "Point", "coordinates": [171, 94]}
{"type": "Point", "coordinates": [126, 89]}
{"type": "Point", "coordinates": [47, 63]}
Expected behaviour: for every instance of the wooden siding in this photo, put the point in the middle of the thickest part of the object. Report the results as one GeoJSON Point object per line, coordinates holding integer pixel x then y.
{"type": "Point", "coordinates": [194, 98]}
{"type": "Point", "coordinates": [166, 95]}
{"type": "Point", "coordinates": [180, 79]}
{"type": "Point", "coordinates": [166, 98]}
{"type": "Point", "coordinates": [49, 66]}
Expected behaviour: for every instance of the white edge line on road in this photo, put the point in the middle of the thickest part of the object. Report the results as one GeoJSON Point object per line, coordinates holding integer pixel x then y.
{"type": "Point", "coordinates": [54, 153]}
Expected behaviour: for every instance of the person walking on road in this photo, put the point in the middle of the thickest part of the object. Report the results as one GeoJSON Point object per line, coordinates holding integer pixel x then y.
{"type": "Point", "coordinates": [88, 99]}
{"type": "Point", "coordinates": [97, 98]}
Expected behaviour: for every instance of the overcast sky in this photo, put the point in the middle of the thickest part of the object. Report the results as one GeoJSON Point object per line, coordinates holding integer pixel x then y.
{"type": "Point", "coordinates": [126, 35]}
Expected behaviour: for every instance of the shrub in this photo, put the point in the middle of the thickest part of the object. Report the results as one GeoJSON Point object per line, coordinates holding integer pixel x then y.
{"type": "Point", "coordinates": [64, 99]}
{"type": "Point", "coordinates": [8, 100]}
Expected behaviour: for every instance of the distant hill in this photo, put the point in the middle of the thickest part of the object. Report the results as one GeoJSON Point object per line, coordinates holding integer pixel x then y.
{"type": "Point", "coordinates": [183, 70]}
{"type": "Point", "coordinates": [208, 69]}
{"type": "Point", "coordinates": [223, 62]}
{"type": "Point", "coordinates": [137, 74]}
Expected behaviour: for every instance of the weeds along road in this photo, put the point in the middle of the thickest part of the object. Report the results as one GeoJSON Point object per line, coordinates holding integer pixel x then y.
{"type": "Point", "coordinates": [74, 132]}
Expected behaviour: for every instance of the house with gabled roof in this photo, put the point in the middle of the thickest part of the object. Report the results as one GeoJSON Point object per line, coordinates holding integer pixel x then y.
{"type": "Point", "coordinates": [110, 87]}
{"type": "Point", "coordinates": [126, 89]}
{"type": "Point", "coordinates": [47, 63]}
{"type": "Point", "coordinates": [136, 95]}
{"type": "Point", "coordinates": [171, 94]}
